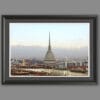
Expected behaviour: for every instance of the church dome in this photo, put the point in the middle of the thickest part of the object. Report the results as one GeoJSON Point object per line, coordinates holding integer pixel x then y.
{"type": "Point", "coordinates": [49, 56]}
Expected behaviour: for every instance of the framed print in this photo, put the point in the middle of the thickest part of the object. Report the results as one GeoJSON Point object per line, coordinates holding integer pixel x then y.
{"type": "Point", "coordinates": [49, 49]}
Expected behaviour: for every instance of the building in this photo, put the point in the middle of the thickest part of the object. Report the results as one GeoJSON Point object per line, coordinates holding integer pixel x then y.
{"type": "Point", "coordinates": [49, 57]}
{"type": "Point", "coordinates": [76, 62]}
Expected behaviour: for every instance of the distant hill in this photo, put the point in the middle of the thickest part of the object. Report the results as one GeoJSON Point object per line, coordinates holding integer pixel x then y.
{"type": "Point", "coordinates": [39, 52]}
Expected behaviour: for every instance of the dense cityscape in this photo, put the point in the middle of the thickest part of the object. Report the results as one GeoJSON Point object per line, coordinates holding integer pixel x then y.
{"type": "Point", "coordinates": [49, 66]}
{"type": "Point", "coordinates": [35, 67]}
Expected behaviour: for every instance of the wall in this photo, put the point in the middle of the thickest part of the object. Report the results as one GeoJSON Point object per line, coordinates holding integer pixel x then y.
{"type": "Point", "coordinates": [51, 92]}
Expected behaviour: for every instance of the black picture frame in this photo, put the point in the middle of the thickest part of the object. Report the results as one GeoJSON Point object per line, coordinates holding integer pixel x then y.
{"type": "Point", "coordinates": [6, 19]}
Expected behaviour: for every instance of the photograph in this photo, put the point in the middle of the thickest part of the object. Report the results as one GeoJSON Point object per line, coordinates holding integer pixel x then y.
{"type": "Point", "coordinates": [48, 48]}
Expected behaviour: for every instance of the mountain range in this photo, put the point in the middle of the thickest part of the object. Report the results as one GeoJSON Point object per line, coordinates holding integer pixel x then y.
{"type": "Point", "coordinates": [39, 52]}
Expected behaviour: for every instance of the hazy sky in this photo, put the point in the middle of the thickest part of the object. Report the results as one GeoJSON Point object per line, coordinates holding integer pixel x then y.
{"type": "Point", "coordinates": [63, 35]}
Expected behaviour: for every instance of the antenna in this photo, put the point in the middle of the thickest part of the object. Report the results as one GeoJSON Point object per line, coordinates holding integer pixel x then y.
{"type": "Point", "coordinates": [49, 42]}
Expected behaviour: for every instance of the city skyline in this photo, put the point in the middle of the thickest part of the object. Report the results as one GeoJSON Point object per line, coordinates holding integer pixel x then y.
{"type": "Point", "coordinates": [50, 53]}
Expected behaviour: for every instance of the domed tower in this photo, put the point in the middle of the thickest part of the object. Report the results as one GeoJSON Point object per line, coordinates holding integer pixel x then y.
{"type": "Point", "coordinates": [49, 57]}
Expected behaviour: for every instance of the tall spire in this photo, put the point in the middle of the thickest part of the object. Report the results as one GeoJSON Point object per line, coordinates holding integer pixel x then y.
{"type": "Point", "coordinates": [49, 57]}
{"type": "Point", "coordinates": [49, 48]}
